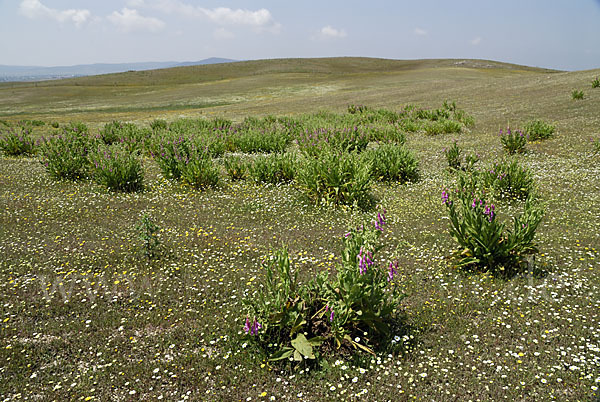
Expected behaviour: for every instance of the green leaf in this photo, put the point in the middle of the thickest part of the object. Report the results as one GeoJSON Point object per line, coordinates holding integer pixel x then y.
{"type": "Point", "coordinates": [302, 345]}
{"type": "Point", "coordinates": [297, 356]}
{"type": "Point", "coordinates": [283, 353]}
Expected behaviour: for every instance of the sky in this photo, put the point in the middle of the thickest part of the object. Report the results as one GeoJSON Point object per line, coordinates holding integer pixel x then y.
{"type": "Point", "coordinates": [560, 34]}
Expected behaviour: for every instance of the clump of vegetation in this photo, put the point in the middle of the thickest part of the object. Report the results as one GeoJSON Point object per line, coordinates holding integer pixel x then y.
{"type": "Point", "coordinates": [484, 244]}
{"type": "Point", "coordinates": [335, 178]}
{"type": "Point", "coordinates": [596, 83]}
{"type": "Point", "coordinates": [200, 171]}
{"type": "Point", "coordinates": [235, 167]}
{"type": "Point", "coordinates": [539, 130]}
{"type": "Point", "coordinates": [577, 94]}
{"type": "Point", "coordinates": [17, 141]}
{"type": "Point", "coordinates": [508, 177]}
{"type": "Point", "coordinates": [117, 169]}
{"type": "Point", "coordinates": [147, 232]}
{"type": "Point", "coordinates": [596, 145]}
{"type": "Point", "coordinates": [393, 163]}
{"type": "Point", "coordinates": [354, 309]}
{"type": "Point", "coordinates": [273, 168]}
{"type": "Point", "coordinates": [159, 124]}
{"type": "Point", "coordinates": [513, 142]}
{"type": "Point", "coordinates": [65, 155]}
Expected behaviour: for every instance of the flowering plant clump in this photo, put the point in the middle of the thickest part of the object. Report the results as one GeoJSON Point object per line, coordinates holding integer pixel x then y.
{"type": "Point", "coordinates": [514, 142]}
{"type": "Point", "coordinates": [539, 130]}
{"type": "Point", "coordinates": [17, 141]}
{"type": "Point", "coordinates": [65, 155]}
{"type": "Point", "coordinates": [117, 169]}
{"type": "Point", "coordinates": [484, 242]}
{"type": "Point", "coordinates": [508, 177]}
{"type": "Point", "coordinates": [353, 309]}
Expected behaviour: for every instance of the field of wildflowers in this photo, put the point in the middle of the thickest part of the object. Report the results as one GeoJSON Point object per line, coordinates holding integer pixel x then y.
{"type": "Point", "coordinates": [100, 304]}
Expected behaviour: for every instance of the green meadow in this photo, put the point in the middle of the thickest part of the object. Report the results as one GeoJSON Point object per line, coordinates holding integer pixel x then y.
{"type": "Point", "coordinates": [302, 229]}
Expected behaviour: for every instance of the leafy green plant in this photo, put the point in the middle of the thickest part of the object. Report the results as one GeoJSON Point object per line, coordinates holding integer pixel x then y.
{"type": "Point", "coordinates": [65, 156]}
{"type": "Point", "coordinates": [538, 130]}
{"type": "Point", "coordinates": [16, 141]}
{"type": "Point", "coordinates": [159, 124]}
{"type": "Point", "coordinates": [148, 234]}
{"type": "Point", "coordinates": [508, 177]}
{"type": "Point", "coordinates": [393, 163]}
{"type": "Point", "coordinates": [274, 168]}
{"type": "Point", "coordinates": [263, 141]}
{"type": "Point", "coordinates": [596, 83]}
{"type": "Point", "coordinates": [200, 171]}
{"type": "Point", "coordinates": [513, 142]}
{"type": "Point", "coordinates": [442, 126]}
{"type": "Point", "coordinates": [595, 146]}
{"type": "Point", "coordinates": [577, 94]}
{"type": "Point", "coordinates": [336, 178]}
{"type": "Point", "coordinates": [353, 309]}
{"type": "Point", "coordinates": [235, 167]}
{"type": "Point", "coordinates": [453, 156]}
{"type": "Point", "coordinates": [484, 244]}
{"type": "Point", "coordinates": [117, 169]}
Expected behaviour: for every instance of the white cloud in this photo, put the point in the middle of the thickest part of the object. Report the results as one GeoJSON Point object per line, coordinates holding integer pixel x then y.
{"type": "Point", "coordinates": [476, 41]}
{"type": "Point", "coordinates": [129, 20]}
{"type": "Point", "coordinates": [260, 19]}
{"type": "Point", "coordinates": [331, 32]}
{"type": "Point", "coordinates": [420, 32]}
{"type": "Point", "coordinates": [136, 3]}
{"type": "Point", "coordinates": [222, 33]}
{"type": "Point", "coordinates": [35, 9]}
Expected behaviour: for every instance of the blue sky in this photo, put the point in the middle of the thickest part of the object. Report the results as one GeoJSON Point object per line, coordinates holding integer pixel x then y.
{"type": "Point", "coordinates": [558, 34]}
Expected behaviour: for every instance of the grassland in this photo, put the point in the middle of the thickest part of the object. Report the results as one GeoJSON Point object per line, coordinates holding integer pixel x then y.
{"type": "Point", "coordinates": [86, 316]}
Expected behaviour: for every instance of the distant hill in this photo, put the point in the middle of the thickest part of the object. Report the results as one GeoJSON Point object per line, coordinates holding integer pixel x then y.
{"type": "Point", "coordinates": [37, 73]}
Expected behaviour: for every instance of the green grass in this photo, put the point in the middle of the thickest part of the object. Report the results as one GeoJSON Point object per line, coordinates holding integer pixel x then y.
{"type": "Point", "coordinates": [139, 328]}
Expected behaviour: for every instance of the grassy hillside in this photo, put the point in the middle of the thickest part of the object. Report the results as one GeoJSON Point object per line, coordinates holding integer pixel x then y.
{"type": "Point", "coordinates": [87, 314]}
{"type": "Point", "coordinates": [266, 86]}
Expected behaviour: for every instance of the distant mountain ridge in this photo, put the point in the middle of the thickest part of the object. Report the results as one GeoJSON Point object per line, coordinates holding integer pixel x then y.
{"type": "Point", "coordinates": [34, 73]}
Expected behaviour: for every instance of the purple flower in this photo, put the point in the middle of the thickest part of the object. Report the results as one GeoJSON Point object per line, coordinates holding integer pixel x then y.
{"type": "Point", "coordinates": [247, 326]}
{"type": "Point", "coordinates": [444, 197]}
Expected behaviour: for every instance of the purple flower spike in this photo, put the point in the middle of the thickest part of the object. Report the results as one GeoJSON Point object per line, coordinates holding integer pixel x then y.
{"type": "Point", "coordinates": [247, 326]}
{"type": "Point", "coordinates": [393, 270]}
{"type": "Point", "coordinates": [331, 315]}
{"type": "Point", "coordinates": [444, 197]}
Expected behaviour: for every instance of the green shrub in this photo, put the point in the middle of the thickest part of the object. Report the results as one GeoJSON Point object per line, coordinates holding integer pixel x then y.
{"type": "Point", "coordinates": [508, 177]}
{"type": "Point", "coordinates": [16, 141]}
{"type": "Point", "coordinates": [453, 156]}
{"type": "Point", "coordinates": [65, 156]}
{"type": "Point", "coordinates": [336, 178]}
{"type": "Point", "coordinates": [393, 163]}
{"type": "Point", "coordinates": [55, 124]}
{"type": "Point", "coordinates": [577, 94]}
{"type": "Point", "coordinates": [596, 83]}
{"type": "Point", "coordinates": [513, 142]}
{"type": "Point", "coordinates": [235, 167]}
{"type": "Point", "coordinates": [348, 139]}
{"type": "Point", "coordinates": [355, 309]}
{"type": "Point", "coordinates": [484, 244]}
{"type": "Point", "coordinates": [159, 124]}
{"type": "Point", "coordinates": [200, 172]}
{"type": "Point", "coordinates": [538, 130]}
{"type": "Point", "coordinates": [442, 126]}
{"type": "Point", "coordinates": [388, 133]}
{"type": "Point", "coordinates": [259, 141]}
{"type": "Point", "coordinates": [274, 168]}
{"type": "Point", "coordinates": [117, 168]}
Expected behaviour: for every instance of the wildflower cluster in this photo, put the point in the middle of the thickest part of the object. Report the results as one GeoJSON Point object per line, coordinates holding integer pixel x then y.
{"type": "Point", "coordinates": [17, 141]}
{"type": "Point", "coordinates": [360, 300]}
{"type": "Point", "coordinates": [514, 142]}
{"type": "Point", "coordinates": [484, 242]}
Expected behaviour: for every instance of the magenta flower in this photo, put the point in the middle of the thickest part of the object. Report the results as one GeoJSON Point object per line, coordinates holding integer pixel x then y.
{"type": "Point", "coordinates": [393, 270]}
